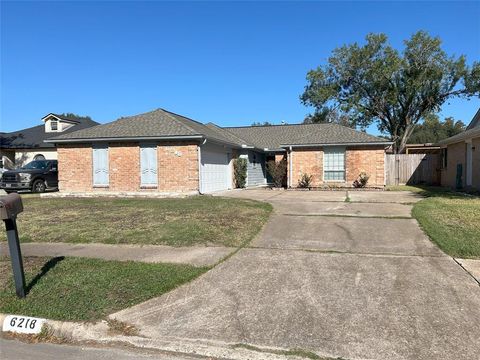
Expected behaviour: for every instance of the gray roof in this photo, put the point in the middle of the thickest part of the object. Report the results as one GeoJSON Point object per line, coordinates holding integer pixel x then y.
{"type": "Point", "coordinates": [34, 137]}
{"type": "Point", "coordinates": [278, 136]}
{"type": "Point", "coordinates": [161, 123]}
{"type": "Point", "coordinates": [472, 131]}
{"type": "Point", "coordinates": [158, 123]}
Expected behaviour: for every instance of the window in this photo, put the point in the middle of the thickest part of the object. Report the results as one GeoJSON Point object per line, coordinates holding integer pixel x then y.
{"type": "Point", "coordinates": [100, 166]}
{"type": "Point", "coordinates": [334, 164]}
{"type": "Point", "coordinates": [148, 165]}
{"type": "Point", "coordinates": [39, 157]}
{"type": "Point", "coordinates": [54, 125]}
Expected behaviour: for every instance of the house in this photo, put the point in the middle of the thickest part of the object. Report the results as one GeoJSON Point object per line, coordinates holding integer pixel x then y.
{"type": "Point", "coordinates": [20, 147]}
{"type": "Point", "coordinates": [166, 152]}
{"type": "Point", "coordinates": [461, 158]}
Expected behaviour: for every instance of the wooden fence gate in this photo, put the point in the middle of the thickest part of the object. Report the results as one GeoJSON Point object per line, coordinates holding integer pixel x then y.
{"type": "Point", "coordinates": [412, 169]}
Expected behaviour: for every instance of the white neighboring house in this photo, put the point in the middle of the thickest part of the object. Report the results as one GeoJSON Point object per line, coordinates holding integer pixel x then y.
{"type": "Point", "coordinates": [20, 147]}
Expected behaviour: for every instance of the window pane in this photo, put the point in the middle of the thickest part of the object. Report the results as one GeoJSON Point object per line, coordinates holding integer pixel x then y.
{"type": "Point", "coordinates": [335, 175]}
{"type": "Point", "coordinates": [334, 163]}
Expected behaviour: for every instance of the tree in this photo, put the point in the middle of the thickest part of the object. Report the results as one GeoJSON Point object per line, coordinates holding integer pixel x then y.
{"type": "Point", "coordinates": [376, 83]}
{"type": "Point", "coordinates": [75, 116]}
{"type": "Point", "coordinates": [265, 123]}
{"type": "Point", "coordinates": [324, 116]}
{"type": "Point", "coordinates": [433, 130]}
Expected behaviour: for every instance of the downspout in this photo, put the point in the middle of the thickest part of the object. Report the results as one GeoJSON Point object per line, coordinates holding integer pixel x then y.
{"type": "Point", "coordinates": [200, 190]}
{"type": "Point", "coordinates": [290, 168]}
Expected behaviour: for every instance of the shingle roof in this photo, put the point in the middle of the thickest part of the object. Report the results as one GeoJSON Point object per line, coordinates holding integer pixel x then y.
{"type": "Point", "coordinates": [153, 124]}
{"type": "Point", "coordinates": [473, 130]}
{"type": "Point", "coordinates": [34, 137]}
{"type": "Point", "coordinates": [276, 136]}
{"type": "Point", "coordinates": [161, 123]}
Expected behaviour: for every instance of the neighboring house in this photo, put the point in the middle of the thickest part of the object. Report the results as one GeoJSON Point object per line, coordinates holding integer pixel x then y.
{"type": "Point", "coordinates": [166, 152]}
{"type": "Point", "coordinates": [461, 158]}
{"type": "Point", "coordinates": [20, 147]}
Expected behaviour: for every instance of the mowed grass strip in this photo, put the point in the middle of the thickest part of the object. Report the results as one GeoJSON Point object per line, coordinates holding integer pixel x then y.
{"type": "Point", "coordinates": [78, 289]}
{"type": "Point", "coordinates": [198, 220]}
{"type": "Point", "coordinates": [450, 219]}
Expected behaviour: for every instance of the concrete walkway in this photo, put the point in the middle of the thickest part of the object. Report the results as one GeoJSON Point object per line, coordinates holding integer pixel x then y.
{"type": "Point", "coordinates": [369, 285]}
{"type": "Point", "coordinates": [198, 256]}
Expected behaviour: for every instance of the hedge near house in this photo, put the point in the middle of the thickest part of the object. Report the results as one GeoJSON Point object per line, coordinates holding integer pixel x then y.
{"type": "Point", "coordinates": [240, 170]}
{"type": "Point", "coordinates": [278, 172]}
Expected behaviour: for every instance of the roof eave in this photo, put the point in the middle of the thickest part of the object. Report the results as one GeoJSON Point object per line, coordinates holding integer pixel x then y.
{"type": "Point", "coordinates": [126, 138]}
{"type": "Point", "coordinates": [338, 144]}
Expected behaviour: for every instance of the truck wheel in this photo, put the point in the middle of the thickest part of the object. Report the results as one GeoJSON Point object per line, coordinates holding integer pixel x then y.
{"type": "Point", "coordinates": [39, 186]}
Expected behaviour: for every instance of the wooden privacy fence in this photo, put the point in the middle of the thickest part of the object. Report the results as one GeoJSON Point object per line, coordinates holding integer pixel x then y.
{"type": "Point", "coordinates": [412, 169]}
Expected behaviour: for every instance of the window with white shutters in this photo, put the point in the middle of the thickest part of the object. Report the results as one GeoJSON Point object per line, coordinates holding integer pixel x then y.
{"type": "Point", "coordinates": [334, 164]}
{"type": "Point", "coordinates": [100, 165]}
{"type": "Point", "coordinates": [148, 165]}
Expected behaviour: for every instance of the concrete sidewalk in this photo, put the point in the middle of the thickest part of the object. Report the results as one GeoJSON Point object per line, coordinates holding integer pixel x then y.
{"type": "Point", "coordinates": [197, 256]}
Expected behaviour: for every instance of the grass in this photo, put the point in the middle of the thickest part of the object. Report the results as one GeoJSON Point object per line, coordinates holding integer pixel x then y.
{"type": "Point", "coordinates": [450, 219]}
{"type": "Point", "coordinates": [79, 289]}
{"type": "Point", "coordinates": [199, 220]}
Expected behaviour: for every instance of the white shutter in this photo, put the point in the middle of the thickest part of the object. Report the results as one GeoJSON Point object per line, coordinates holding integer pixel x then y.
{"type": "Point", "coordinates": [100, 166]}
{"type": "Point", "coordinates": [148, 165]}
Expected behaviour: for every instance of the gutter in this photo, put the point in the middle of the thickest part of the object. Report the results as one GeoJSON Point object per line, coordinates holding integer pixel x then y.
{"type": "Point", "coordinates": [129, 138]}
{"type": "Point", "coordinates": [336, 144]}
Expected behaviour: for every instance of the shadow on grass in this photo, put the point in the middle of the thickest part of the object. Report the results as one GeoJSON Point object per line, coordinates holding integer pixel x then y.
{"type": "Point", "coordinates": [49, 265]}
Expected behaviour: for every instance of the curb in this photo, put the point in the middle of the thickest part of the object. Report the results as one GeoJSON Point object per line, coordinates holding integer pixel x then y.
{"type": "Point", "coordinates": [100, 333]}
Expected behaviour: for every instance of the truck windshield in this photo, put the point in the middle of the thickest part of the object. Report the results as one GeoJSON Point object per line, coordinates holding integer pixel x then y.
{"type": "Point", "coordinates": [36, 165]}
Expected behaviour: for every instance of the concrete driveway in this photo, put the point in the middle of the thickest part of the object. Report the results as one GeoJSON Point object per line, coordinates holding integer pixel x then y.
{"type": "Point", "coordinates": [357, 280]}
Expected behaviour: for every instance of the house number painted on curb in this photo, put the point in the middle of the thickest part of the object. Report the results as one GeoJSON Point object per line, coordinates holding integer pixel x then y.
{"type": "Point", "coordinates": [23, 324]}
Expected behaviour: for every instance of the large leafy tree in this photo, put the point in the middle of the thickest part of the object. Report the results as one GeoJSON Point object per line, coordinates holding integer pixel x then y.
{"type": "Point", "coordinates": [376, 83]}
{"type": "Point", "coordinates": [328, 116]}
{"type": "Point", "coordinates": [433, 130]}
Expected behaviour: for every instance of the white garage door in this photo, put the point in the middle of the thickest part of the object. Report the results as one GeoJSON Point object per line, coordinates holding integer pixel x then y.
{"type": "Point", "coordinates": [215, 171]}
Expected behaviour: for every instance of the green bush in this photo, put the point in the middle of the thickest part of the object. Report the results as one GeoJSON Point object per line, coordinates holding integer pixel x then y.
{"type": "Point", "coordinates": [305, 181]}
{"type": "Point", "coordinates": [278, 172]}
{"type": "Point", "coordinates": [240, 169]}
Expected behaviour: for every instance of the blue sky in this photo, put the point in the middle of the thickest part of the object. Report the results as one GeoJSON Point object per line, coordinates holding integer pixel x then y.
{"type": "Point", "coordinates": [230, 63]}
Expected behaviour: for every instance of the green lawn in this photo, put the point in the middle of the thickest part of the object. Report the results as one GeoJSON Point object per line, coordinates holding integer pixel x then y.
{"type": "Point", "coordinates": [450, 219]}
{"type": "Point", "coordinates": [87, 289]}
{"type": "Point", "coordinates": [199, 220]}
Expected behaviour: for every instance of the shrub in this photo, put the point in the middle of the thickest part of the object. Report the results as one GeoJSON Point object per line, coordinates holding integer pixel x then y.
{"type": "Point", "coordinates": [305, 181]}
{"type": "Point", "coordinates": [362, 180]}
{"type": "Point", "coordinates": [278, 172]}
{"type": "Point", "coordinates": [240, 170]}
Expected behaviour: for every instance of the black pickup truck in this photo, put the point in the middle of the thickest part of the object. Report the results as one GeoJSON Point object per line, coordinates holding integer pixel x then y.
{"type": "Point", "coordinates": [37, 176]}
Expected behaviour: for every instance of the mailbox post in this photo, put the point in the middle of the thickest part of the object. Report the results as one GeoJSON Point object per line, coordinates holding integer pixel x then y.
{"type": "Point", "coordinates": [10, 206]}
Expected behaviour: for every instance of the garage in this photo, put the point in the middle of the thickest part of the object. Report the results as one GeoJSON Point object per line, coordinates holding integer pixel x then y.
{"type": "Point", "coordinates": [215, 170]}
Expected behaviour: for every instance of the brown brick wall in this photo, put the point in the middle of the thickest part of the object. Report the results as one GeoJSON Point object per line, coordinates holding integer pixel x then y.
{"type": "Point", "coordinates": [124, 166]}
{"type": "Point", "coordinates": [369, 160]}
{"type": "Point", "coordinates": [177, 167]}
{"type": "Point", "coordinates": [75, 171]}
{"type": "Point", "coordinates": [307, 161]}
{"type": "Point", "coordinates": [476, 164]}
{"type": "Point", "coordinates": [455, 155]}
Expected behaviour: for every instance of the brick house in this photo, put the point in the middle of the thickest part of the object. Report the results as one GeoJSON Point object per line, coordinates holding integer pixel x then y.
{"type": "Point", "coordinates": [166, 152]}
{"type": "Point", "coordinates": [461, 158]}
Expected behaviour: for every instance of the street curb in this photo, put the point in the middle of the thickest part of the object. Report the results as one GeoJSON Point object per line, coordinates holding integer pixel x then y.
{"type": "Point", "coordinates": [100, 333]}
